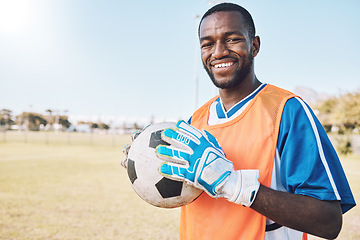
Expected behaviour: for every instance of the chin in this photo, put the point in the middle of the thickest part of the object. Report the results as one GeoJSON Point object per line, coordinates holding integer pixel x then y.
{"type": "Point", "coordinates": [225, 83]}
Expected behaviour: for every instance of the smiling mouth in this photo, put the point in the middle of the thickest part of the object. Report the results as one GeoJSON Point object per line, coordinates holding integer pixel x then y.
{"type": "Point", "coordinates": [223, 65]}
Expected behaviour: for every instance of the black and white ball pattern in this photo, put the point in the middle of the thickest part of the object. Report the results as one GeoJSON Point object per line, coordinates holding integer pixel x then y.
{"type": "Point", "coordinates": [144, 175]}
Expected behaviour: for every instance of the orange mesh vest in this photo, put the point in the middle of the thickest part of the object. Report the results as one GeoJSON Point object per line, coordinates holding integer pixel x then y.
{"type": "Point", "coordinates": [249, 141]}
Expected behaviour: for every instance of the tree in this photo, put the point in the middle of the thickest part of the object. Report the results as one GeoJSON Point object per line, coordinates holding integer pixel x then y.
{"type": "Point", "coordinates": [64, 121]}
{"type": "Point", "coordinates": [33, 120]}
{"type": "Point", "coordinates": [342, 112]}
{"type": "Point", "coordinates": [347, 111]}
{"type": "Point", "coordinates": [102, 125]}
{"type": "Point", "coordinates": [325, 113]}
{"type": "Point", "coordinates": [6, 118]}
{"type": "Point", "coordinates": [56, 118]}
{"type": "Point", "coordinates": [98, 125]}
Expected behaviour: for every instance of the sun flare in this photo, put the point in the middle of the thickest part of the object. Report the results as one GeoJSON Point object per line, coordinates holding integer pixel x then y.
{"type": "Point", "coordinates": [13, 16]}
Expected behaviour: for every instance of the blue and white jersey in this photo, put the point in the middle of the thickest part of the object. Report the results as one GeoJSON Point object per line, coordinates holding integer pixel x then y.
{"type": "Point", "coordinates": [305, 161]}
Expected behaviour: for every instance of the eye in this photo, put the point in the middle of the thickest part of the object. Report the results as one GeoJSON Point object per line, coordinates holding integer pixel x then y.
{"type": "Point", "coordinates": [234, 40]}
{"type": "Point", "coordinates": [206, 45]}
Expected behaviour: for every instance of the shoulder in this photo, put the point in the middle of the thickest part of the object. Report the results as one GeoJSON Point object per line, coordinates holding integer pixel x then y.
{"type": "Point", "coordinates": [299, 127]}
{"type": "Point", "coordinates": [202, 111]}
{"type": "Point", "coordinates": [297, 110]}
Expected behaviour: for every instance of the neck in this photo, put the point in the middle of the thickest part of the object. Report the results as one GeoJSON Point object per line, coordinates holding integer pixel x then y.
{"type": "Point", "coordinates": [230, 97]}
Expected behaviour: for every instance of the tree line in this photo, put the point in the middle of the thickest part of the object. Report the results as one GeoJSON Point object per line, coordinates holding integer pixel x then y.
{"type": "Point", "coordinates": [340, 114]}
{"type": "Point", "coordinates": [36, 121]}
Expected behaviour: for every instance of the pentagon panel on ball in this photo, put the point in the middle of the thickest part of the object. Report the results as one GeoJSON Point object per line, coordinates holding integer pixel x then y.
{"type": "Point", "coordinates": [144, 174]}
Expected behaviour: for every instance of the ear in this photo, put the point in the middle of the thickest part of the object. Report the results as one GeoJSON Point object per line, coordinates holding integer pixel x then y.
{"type": "Point", "coordinates": [256, 46]}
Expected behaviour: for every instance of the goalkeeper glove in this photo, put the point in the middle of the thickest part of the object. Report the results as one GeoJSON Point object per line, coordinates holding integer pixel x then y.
{"type": "Point", "coordinates": [126, 149]}
{"type": "Point", "coordinates": [197, 158]}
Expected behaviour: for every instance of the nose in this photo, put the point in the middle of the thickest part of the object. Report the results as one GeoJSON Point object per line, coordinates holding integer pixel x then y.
{"type": "Point", "coordinates": [220, 50]}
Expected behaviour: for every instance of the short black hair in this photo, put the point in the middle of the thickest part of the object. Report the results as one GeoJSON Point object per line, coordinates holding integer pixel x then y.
{"type": "Point", "coordinates": [226, 7]}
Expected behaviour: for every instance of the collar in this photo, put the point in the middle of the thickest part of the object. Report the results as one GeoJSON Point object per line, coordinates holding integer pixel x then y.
{"type": "Point", "coordinates": [222, 114]}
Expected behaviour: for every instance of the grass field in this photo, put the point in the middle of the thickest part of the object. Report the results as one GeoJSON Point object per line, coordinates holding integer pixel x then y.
{"type": "Point", "coordinates": [351, 219]}
{"type": "Point", "coordinates": [71, 186]}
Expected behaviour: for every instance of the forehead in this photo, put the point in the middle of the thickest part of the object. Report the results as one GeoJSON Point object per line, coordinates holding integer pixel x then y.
{"type": "Point", "coordinates": [222, 22]}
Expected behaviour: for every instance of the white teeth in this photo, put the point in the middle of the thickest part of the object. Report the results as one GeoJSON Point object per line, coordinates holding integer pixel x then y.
{"type": "Point", "coordinates": [222, 65]}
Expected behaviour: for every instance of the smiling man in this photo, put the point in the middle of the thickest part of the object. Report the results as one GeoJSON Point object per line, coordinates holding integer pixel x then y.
{"type": "Point", "coordinates": [276, 174]}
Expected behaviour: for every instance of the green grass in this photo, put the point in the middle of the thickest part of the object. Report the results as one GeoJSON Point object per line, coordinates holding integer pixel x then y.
{"type": "Point", "coordinates": [351, 226]}
{"type": "Point", "coordinates": [77, 191]}
{"type": "Point", "coordinates": [351, 219]}
{"type": "Point", "coordinates": [71, 186]}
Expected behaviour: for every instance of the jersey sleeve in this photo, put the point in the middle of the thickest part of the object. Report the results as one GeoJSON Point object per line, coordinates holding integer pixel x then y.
{"type": "Point", "coordinates": [309, 164]}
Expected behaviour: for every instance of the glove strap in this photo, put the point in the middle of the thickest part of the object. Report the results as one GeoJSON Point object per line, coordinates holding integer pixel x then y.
{"type": "Point", "coordinates": [247, 186]}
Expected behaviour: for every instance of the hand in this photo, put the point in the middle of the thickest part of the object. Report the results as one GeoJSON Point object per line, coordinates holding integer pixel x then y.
{"type": "Point", "coordinates": [126, 149]}
{"type": "Point", "coordinates": [197, 158]}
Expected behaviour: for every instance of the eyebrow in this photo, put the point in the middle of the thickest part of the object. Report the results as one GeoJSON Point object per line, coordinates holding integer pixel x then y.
{"type": "Point", "coordinates": [226, 34]}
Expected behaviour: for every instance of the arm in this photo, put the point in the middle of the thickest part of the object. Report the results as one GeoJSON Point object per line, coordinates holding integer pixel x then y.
{"type": "Point", "coordinates": [196, 158]}
{"type": "Point", "coordinates": [303, 213]}
{"type": "Point", "coordinates": [309, 150]}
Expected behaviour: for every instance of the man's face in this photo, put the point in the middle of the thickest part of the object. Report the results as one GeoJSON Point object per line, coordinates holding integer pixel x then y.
{"type": "Point", "coordinates": [226, 49]}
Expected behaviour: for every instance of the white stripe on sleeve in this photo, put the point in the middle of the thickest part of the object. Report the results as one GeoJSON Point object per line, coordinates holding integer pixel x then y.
{"type": "Point", "coordinates": [321, 151]}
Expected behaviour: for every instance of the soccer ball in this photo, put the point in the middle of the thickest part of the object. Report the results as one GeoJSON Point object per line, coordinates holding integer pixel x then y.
{"type": "Point", "coordinates": [143, 171]}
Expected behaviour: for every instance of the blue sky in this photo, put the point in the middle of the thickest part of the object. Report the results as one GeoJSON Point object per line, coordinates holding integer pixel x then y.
{"type": "Point", "coordinates": [131, 58]}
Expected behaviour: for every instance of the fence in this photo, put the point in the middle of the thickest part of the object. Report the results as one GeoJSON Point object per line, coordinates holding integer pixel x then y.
{"type": "Point", "coordinates": [102, 139]}
{"type": "Point", "coordinates": [65, 138]}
